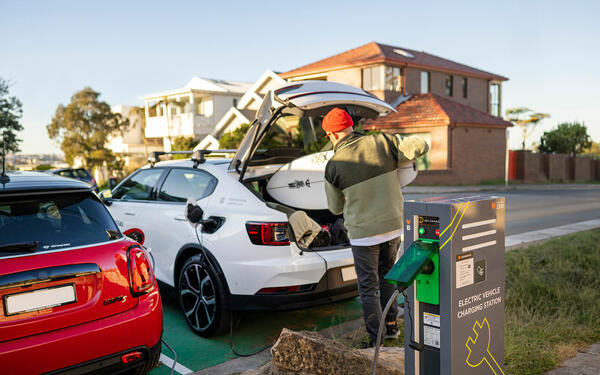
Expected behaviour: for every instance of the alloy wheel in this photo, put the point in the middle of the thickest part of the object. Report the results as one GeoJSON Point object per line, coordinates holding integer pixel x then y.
{"type": "Point", "coordinates": [198, 296]}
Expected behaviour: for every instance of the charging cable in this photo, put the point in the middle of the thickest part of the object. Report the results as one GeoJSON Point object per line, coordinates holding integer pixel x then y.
{"type": "Point", "coordinates": [238, 353]}
{"type": "Point", "coordinates": [381, 325]}
{"type": "Point", "coordinates": [174, 355]}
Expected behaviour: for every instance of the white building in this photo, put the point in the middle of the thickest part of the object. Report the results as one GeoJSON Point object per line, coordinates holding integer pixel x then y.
{"type": "Point", "coordinates": [244, 110]}
{"type": "Point", "coordinates": [131, 145]}
{"type": "Point", "coordinates": [191, 111]}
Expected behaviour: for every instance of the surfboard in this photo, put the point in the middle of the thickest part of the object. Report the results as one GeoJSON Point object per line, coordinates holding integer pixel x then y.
{"type": "Point", "coordinates": [301, 183]}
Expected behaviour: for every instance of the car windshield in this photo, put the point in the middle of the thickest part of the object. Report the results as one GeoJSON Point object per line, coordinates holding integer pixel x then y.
{"type": "Point", "coordinates": [44, 223]}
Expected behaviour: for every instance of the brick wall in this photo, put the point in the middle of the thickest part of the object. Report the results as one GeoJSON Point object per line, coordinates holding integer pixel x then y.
{"type": "Point", "coordinates": [530, 166]}
{"type": "Point", "coordinates": [477, 155]}
{"type": "Point", "coordinates": [558, 167]}
{"type": "Point", "coordinates": [533, 167]}
{"type": "Point", "coordinates": [438, 152]}
{"type": "Point", "coordinates": [582, 168]}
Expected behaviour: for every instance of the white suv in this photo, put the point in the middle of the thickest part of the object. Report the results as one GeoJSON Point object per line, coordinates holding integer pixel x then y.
{"type": "Point", "coordinates": [246, 260]}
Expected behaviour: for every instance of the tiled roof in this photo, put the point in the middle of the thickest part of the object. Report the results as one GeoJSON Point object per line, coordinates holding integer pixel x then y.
{"type": "Point", "coordinates": [381, 53]}
{"type": "Point", "coordinates": [432, 109]}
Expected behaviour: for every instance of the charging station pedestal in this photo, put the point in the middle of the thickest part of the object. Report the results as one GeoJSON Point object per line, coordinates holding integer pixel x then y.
{"type": "Point", "coordinates": [456, 302]}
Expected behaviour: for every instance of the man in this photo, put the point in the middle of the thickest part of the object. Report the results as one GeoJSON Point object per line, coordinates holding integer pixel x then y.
{"type": "Point", "coordinates": [361, 182]}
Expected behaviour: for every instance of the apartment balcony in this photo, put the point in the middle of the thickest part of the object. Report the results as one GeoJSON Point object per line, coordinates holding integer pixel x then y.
{"type": "Point", "coordinates": [185, 124]}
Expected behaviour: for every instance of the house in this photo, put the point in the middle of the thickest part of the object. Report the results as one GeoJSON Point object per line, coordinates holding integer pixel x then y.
{"type": "Point", "coordinates": [456, 108]}
{"type": "Point", "coordinates": [244, 111]}
{"type": "Point", "coordinates": [191, 111]}
{"type": "Point", "coordinates": [131, 146]}
{"type": "Point", "coordinates": [390, 72]}
{"type": "Point", "coordinates": [467, 146]}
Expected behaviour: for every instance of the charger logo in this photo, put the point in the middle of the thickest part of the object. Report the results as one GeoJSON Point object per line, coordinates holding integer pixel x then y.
{"type": "Point", "coordinates": [110, 301]}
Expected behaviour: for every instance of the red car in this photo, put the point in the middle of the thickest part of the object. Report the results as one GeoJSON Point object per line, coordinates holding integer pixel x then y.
{"type": "Point", "coordinates": [76, 295]}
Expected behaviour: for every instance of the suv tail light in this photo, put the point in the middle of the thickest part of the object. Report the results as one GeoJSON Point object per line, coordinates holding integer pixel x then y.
{"type": "Point", "coordinates": [140, 272]}
{"type": "Point", "coordinates": [272, 234]}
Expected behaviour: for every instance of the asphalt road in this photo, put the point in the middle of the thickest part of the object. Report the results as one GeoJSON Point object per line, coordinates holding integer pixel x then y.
{"type": "Point", "coordinates": [529, 210]}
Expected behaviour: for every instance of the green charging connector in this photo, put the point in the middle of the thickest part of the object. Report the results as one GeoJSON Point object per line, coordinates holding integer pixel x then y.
{"type": "Point", "coordinates": [411, 263]}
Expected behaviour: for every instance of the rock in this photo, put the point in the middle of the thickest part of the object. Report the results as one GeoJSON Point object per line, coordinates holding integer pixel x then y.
{"type": "Point", "coordinates": [310, 353]}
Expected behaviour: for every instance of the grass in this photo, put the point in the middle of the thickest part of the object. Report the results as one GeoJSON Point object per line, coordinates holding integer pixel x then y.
{"type": "Point", "coordinates": [552, 302]}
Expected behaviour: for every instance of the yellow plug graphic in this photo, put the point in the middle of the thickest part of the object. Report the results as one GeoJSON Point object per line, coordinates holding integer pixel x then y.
{"type": "Point", "coordinates": [479, 348]}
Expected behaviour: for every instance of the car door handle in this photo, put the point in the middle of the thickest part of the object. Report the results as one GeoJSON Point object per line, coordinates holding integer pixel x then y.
{"type": "Point", "coordinates": [180, 218]}
{"type": "Point", "coordinates": [129, 213]}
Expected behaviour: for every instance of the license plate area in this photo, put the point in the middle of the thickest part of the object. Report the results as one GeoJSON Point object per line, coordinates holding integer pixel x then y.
{"type": "Point", "coordinates": [20, 303]}
{"type": "Point", "coordinates": [348, 274]}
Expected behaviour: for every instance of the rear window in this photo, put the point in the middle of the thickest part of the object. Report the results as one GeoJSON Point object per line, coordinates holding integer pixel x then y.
{"type": "Point", "coordinates": [44, 223]}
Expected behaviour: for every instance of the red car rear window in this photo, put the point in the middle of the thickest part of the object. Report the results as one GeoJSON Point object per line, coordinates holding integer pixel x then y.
{"type": "Point", "coordinates": [44, 223]}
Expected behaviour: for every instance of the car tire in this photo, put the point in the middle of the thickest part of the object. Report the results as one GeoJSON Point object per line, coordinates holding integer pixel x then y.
{"type": "Point", "coordinates": [203, 297]}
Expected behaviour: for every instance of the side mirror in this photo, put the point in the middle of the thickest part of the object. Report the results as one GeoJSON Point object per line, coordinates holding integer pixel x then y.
{"type": "Point", "coordinates": [193, 212]}
{"type": "Point", "coordinates": [105, 196]}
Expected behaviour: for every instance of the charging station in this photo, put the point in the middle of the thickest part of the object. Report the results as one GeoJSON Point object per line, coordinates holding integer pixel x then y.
{"type": "Point", "coordinates": [453, 272]}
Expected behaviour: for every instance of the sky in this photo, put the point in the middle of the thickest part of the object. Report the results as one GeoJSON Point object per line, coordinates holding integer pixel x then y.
{"type": "Point", "coordinates": [49, 50]}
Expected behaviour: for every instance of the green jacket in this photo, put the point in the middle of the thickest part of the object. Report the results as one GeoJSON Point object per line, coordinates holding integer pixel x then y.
{"type": "Point", "coordinates": [361, 181]}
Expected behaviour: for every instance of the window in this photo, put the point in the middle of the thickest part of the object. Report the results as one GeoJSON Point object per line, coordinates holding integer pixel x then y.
{"type": "Point", "coordinates": [464, 87]}
{"type": "Point", "coordinates": [372, 78]}
{"type": "Point", "coordinates": [424, 82]}
{"type": "Point", "coordinates": [235, 101]}
{"type": "Point", "coordinates": [393, 78]}
{"type": "Point", "coordinates": [449, 85]}
{"type": "Point", "coordinates": [495, 99]}
{"type": "Point", "coordinates": [139, 186]}
{"type": "Point", "coordinates": [182, 184]}
{"type": "Point", "coordinates": [199, 108]}
{"type": "Point", "coordinates": [55, 221]}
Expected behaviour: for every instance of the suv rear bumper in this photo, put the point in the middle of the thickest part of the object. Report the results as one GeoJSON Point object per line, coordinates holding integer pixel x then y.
{"type": "Point", "coordinates": [80, 345]}
{"type": "Point", "coordinates": [330, 288]}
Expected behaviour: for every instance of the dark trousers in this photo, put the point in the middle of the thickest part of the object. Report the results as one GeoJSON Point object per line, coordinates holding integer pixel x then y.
{"type": "Point", "coordinates": [371, 264]}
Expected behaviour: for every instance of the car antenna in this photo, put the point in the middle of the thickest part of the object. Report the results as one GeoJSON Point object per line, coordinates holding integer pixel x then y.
{"type": "Point", "coordinates": [4, 179]}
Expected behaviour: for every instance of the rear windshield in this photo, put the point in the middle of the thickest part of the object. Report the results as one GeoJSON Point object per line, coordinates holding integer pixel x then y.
{"type": "Point", "coordinates": [44, 223]}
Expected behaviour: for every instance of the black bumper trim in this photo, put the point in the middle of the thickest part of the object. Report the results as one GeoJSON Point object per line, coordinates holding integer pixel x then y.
{"type": "Point", "coordinates": [331, 288]}
{"type": "Point", "coordinates": [110, 364]}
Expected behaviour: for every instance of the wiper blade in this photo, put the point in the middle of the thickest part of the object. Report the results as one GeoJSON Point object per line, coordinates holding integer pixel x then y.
{"type": "Point", "coordinates": [20, 247]}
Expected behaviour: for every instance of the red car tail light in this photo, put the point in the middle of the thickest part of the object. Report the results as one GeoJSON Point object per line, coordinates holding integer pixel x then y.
{"type": "Point", "coordinates": [131, 357]}
{"type": "Point", "coordinates": [140, 272]}
{"type": "Point", "coordinates": [271, 234]}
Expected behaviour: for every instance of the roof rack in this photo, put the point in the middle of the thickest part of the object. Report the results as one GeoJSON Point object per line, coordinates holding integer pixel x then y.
{"type": "Point", "coordinates": [198, 156]}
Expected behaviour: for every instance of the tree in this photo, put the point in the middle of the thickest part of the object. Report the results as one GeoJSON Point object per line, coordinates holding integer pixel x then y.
{"type": "Point", "coordinates": [593, 150]}
{"type": "Point", "coordinates": [83, 126]}
{"type": "Point", "coordinates": [43, 167]}
{"type": "Point", "coordinates": [526, 119]}
{"type": "Point", "coordinates": [568, 138]}
{"type": "Point", "coordinates": [182, 143]}
{"type": "Point", "coordinates": [11, 111]}
{"type": "Point", "coordinates": [233, 138]}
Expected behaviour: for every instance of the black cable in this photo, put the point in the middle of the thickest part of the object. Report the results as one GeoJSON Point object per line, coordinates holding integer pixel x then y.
{"type": "Point", "coordinates": [326, 276]}
{"type": "Point", "coordinates": [235, 351]}
{"type": "Point", "coordinates": [413, 344]}
{"type": "Point", "coordinates": [174, 355]}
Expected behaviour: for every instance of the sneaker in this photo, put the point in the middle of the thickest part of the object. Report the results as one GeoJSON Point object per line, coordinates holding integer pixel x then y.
{"type": "Point", "coordinates": [367, 344]}
{"type": "Point", "coordinates": [391, 331]}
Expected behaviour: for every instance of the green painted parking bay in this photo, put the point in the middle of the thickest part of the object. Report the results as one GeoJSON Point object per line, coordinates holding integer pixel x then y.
{"type": "Point", "coordinates": [252, 330]}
